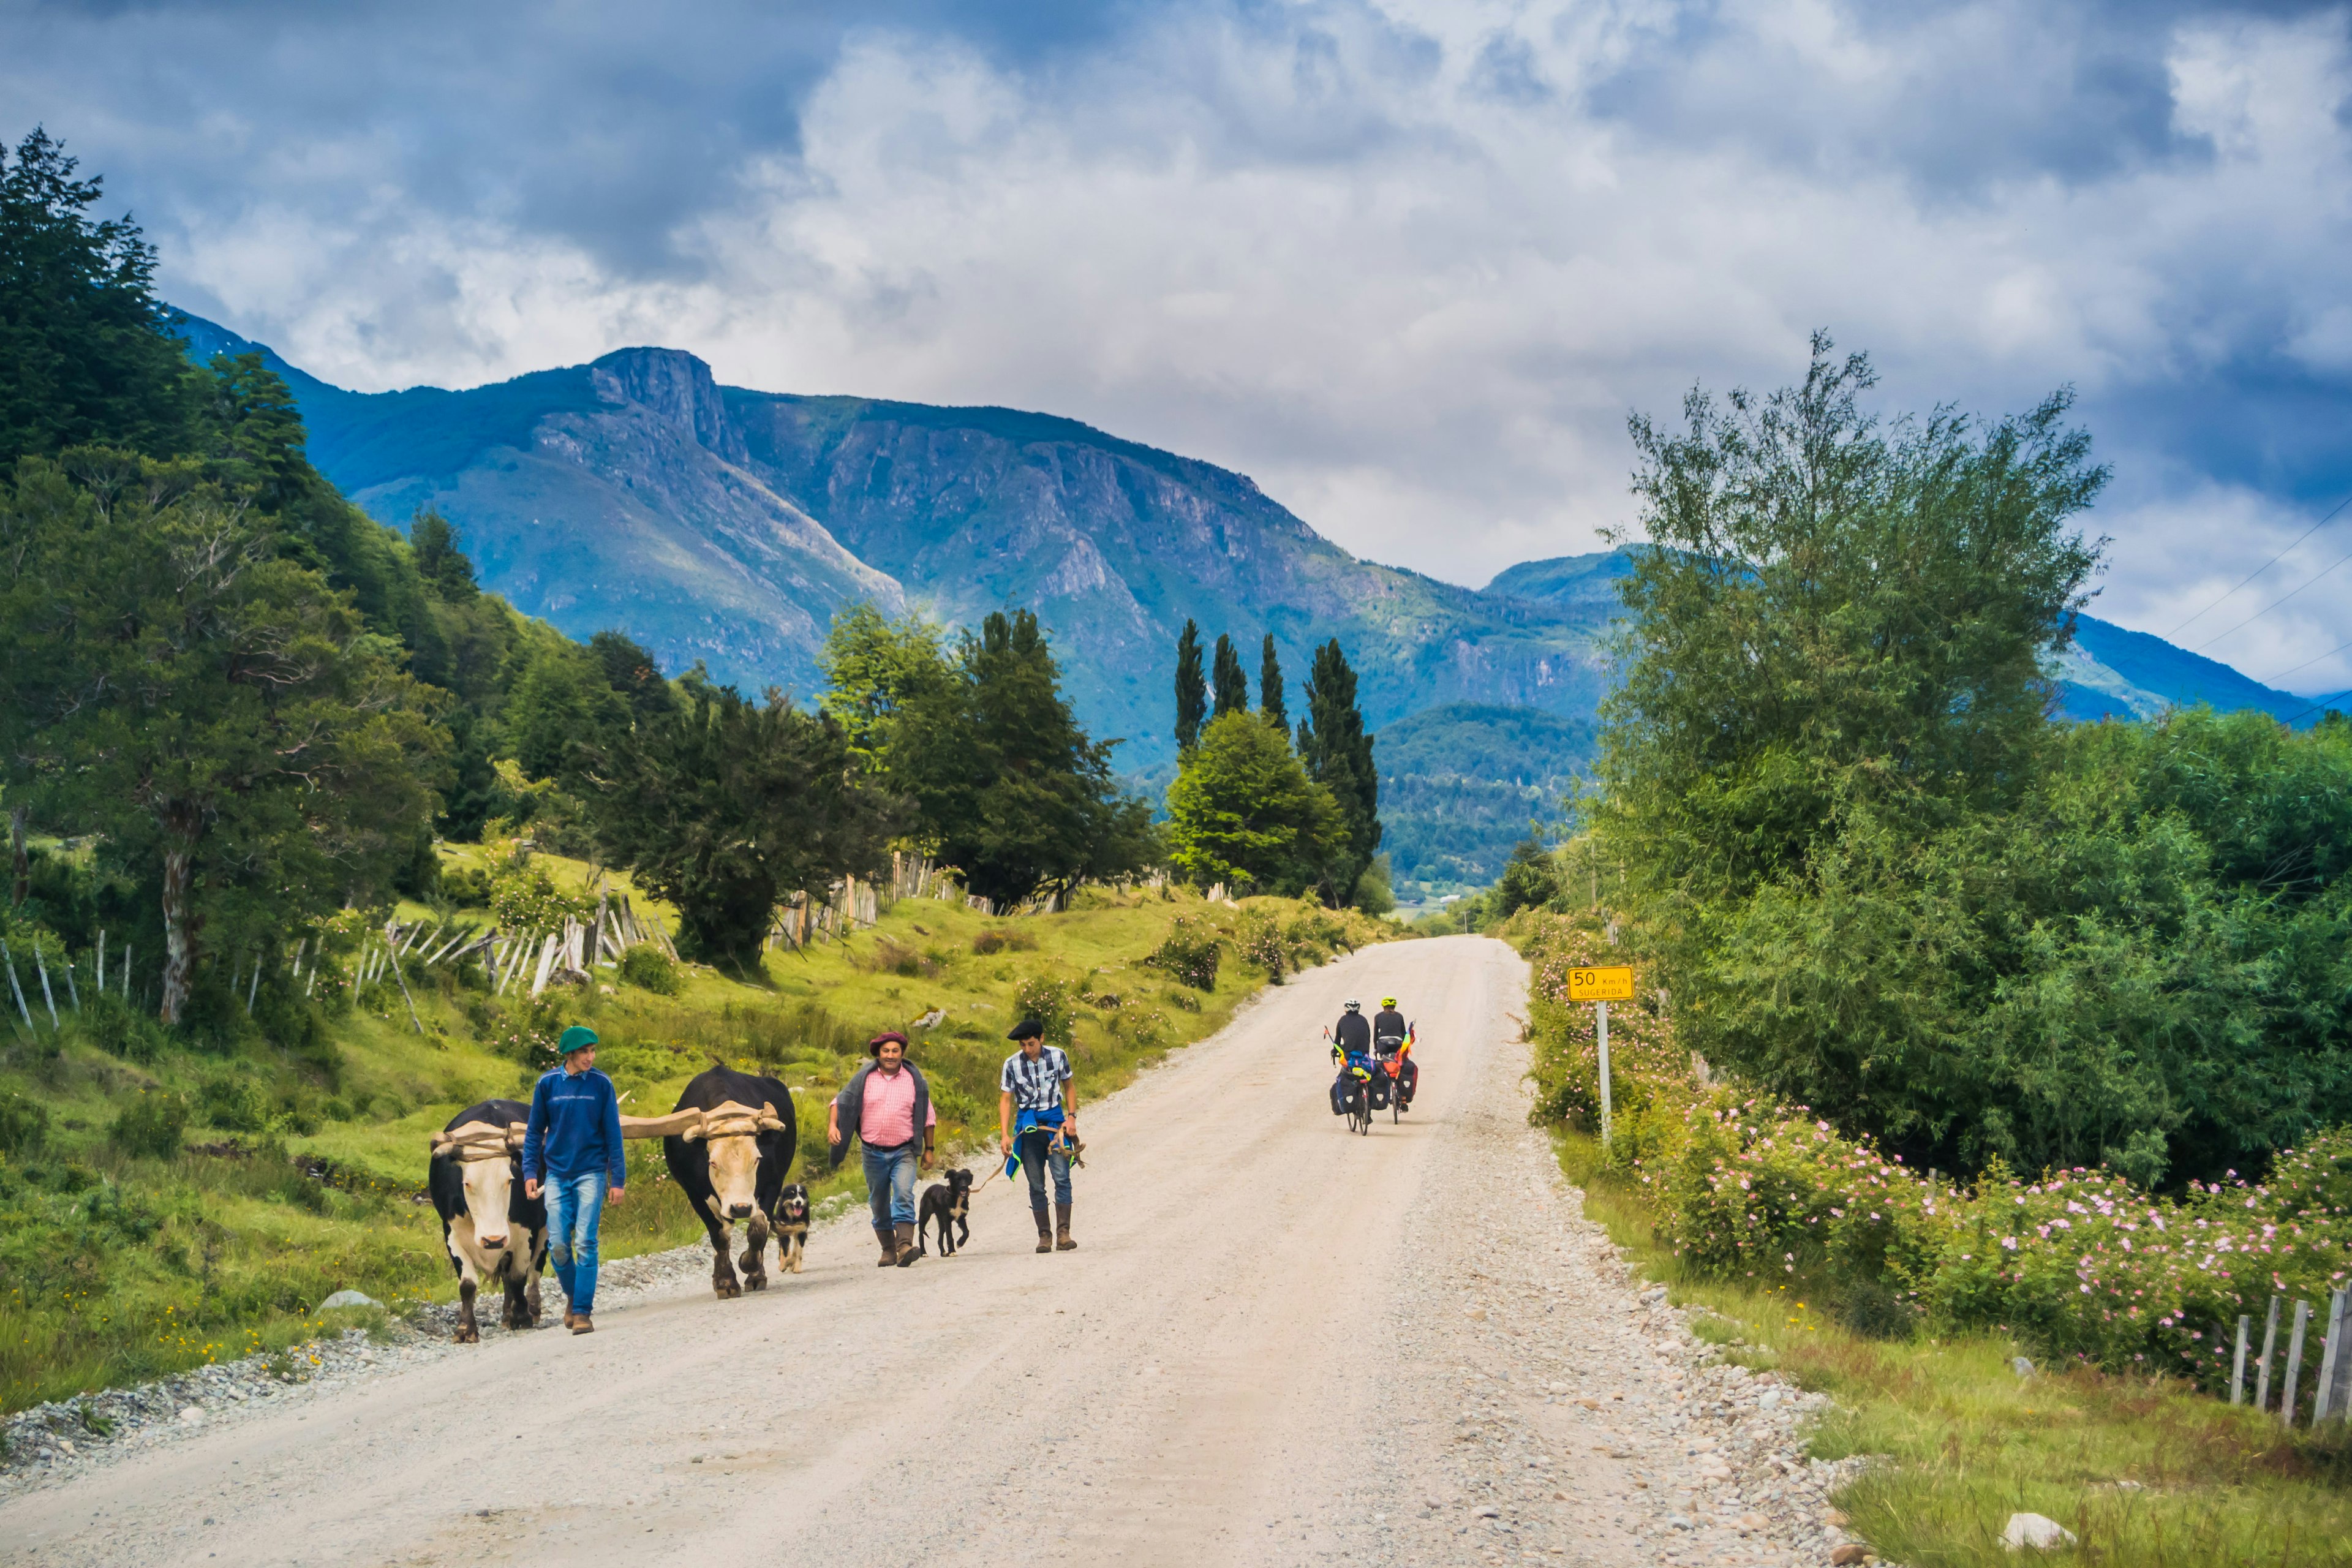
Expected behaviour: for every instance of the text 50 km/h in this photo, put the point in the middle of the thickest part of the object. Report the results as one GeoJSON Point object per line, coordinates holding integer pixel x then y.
{"type": "Point", "coordinates": [1611, 983]}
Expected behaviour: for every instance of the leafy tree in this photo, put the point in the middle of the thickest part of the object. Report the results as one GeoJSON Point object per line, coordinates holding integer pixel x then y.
{"type": "Point", "coordinates": [1337, 754]}
{"type": "Point", "coordinates": [83, 358]}
{"type": "Point", "coordinates": [874, 666]}
{"type": "Point", "coordinates": [1243, 812]}
{"type": "Point", "coordinates": [1192, 689]}
{"type": "Point", "coordinates": [1530, 879]}
{"type": "Point", "coordinates": [1835, 613]}
{"type": "Point", "coordinates": [1006, 785]}
{"type": "Point", "coordinates": [1230, 687]}
{"type": "Point", "coordinates": [562, 703]}
{"type": "Point", "coordinates": [725, 807]}
{"type": "Point", "coordinates": [439, 559]}
{"type": "Point", "coordinates": [633, 675]}
{"type": "Point", "coordinates": [1269, 688]}
{"type": "Point", "coordinates": [204, 701]}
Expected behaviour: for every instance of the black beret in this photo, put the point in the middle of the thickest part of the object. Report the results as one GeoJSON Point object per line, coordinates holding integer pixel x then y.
{"type": "Point", "coordinates": [1028, 1028]}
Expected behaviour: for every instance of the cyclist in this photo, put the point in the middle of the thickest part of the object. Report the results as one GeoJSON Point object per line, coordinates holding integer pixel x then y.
{"type": "Point", "coordinates": [1392, 1044]}
{"type": "Point", "coordinates": [1351, 1045]}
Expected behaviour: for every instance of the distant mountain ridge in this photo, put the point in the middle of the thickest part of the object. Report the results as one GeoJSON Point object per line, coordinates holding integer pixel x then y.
{"type": "Point", "coordinates": [723, 525]}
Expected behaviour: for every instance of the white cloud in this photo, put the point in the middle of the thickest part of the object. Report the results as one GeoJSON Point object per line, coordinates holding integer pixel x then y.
{"type": "Point", "coordinates": [1409, 265]}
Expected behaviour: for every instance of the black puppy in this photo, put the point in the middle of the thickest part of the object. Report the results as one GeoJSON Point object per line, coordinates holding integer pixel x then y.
{"type": "Point", "coordinates": [791, 1227]}
{"type": "Point", "coordinates": [946, 1202]}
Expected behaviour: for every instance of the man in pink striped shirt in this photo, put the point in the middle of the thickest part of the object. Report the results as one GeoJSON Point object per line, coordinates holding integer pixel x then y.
{"type": "Point", "coordinates": [884, 1103]}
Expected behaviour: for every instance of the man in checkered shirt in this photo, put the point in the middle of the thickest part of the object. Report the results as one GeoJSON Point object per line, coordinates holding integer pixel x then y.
{"type": "Point", "coordinates": [1037, 1111]}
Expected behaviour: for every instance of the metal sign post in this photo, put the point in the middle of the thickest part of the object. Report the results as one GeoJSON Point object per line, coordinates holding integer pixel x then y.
{"type": "Point", "coordinates": [1600, 986]}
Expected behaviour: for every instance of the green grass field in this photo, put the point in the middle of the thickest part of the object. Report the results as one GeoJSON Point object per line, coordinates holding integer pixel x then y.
{"type": "Point", "coordinates": [115, 1266]}
{"type": "Point", "coordinates": [2146, 1473]}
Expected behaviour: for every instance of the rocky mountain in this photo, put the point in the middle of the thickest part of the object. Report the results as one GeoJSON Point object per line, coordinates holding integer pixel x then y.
{"type": "Point", "coordinates": [725, 525]}
{"type": "Point", "coordinates": [722, 525]}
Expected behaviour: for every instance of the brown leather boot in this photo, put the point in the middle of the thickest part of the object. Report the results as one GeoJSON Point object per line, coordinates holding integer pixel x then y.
{"type": "Point", "coordinates": [1061, 1242]}
{"type": "Point", "coordinates": [1044, 1236]}
{"type": "Point", "coordinates": [905, 1237]}
{"type": "Point", "coordinates": [889, 1240]}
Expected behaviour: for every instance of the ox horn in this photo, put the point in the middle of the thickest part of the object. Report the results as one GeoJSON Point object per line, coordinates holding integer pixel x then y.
{"type": "Point", "coordinates": [768, 1121]}
{"type": "Point", "coordinates": [676, 1125]}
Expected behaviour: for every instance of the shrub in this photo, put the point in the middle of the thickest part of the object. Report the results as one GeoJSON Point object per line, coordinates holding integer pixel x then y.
{"type": "Point", "coordinates": [1053, 1002]}
{"type": "Point", "coordinates": [2082, 1263]}
{"type": "Point", "coordinates": [1189, 952]}
{"type": "Point", "coordinates": [1259, 940]}
{"type": "Point", "coordinates": [150, 1126]}
{"type": "Point", "coordinates": [889, 956]}
{"type": "Point", "coordinates": [648, 968]}
{"type": "Point", "coordinates": [23, 1124]}
{"type": "Point", "coordinates": [120, 1029]}
{"type": "Point", "coordinates": [234, 1101]}
{"type": "Point", "coordinates": [998, 940]}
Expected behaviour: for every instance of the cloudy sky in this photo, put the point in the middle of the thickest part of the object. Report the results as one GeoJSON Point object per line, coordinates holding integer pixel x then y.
{"type": "Point", "coordinates": [1407, 263]}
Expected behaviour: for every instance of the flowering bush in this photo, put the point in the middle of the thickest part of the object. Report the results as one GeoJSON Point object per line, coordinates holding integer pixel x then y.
{"type": "Point", "coordinates": [2082, 1263]}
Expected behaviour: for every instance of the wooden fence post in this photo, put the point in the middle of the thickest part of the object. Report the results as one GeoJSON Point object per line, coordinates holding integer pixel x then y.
{"type": "Point", "coordinates": [2323, 1398]}
{"type": "Point", "coordinates": [47, 998]}
{"type": "Point", "coordinates": [2263, 1367]}
{"type": "Point", "coordinates": [2293, 1362]}
{"type": "Point", "coordinates": [101, 961]}
{"type": "Point", "coordinates": [404, 997]}
{"type": "Point", "coordinates": [2238, 1364]}
{"type": "Point", "coordinates": [19, 990]}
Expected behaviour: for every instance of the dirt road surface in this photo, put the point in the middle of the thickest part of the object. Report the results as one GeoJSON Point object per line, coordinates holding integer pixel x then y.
{"type": "Point", "coordinates": [1278, 1343]}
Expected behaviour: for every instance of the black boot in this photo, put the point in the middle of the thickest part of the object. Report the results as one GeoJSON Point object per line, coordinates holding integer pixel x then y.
{"type": "Point", "coordinates": [1045, 1231]}
{"type": "Point", "coordinates": [1061, 1242]}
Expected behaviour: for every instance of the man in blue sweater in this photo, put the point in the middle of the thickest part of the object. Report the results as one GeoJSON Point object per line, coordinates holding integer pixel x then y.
{"type": "Point", "coordinates": [572, 1146]}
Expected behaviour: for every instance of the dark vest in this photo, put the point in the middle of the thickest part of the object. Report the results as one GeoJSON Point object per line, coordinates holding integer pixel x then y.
{"type": "Point", "coordinates": [1389, 1027]}
{"type": "Point", "coordinates": [1353, 1032]}
{"type": "Point", "coordinates": [852, 1101]}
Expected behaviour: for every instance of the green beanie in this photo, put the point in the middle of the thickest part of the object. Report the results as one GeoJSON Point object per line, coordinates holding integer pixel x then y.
{"type": "Point", "coordinates": [578, 1037]}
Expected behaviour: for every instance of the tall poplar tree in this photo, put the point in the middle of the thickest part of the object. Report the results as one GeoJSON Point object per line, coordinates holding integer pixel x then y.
{"type": "Point", "coordinates": [1230, 686]}
{"type": "Point", "coordinates": [1192, 689]}
{"type": "Point", "coordinates": [1269, 688]}
{"type": "Point", "coordinates": [1337, 751]}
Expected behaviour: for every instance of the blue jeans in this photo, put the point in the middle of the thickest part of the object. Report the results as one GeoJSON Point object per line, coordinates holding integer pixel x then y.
{"type": "Point", "coordinates": [1038, 1155]}
{"type": "Point", "coordinates": [574, 1205]}
{"type": "Point", "coordinates": [890, 1183]}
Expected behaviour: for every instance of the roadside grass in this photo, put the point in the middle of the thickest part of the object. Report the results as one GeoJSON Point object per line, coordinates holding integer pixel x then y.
{"type": "Point", "coordinates": [2144, 1471]}
{"type": "Point", "coordinates": [115, 1268]}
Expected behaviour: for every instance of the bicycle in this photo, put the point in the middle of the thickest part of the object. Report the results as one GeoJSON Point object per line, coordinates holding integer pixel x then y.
{"type": "Point", "coordinates": [1359, 1104]}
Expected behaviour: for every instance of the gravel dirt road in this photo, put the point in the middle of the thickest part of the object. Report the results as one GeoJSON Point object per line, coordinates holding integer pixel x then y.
{"type": "Point", "coordinates": [1277, 1343]}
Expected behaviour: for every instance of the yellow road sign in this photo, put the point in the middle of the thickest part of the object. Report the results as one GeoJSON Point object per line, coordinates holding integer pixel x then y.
{"type": "Point", "coordinates": [1611, 983]}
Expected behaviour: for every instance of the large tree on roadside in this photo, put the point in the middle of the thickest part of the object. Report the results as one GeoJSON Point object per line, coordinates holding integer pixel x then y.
{"type": "Point", "coordinates": [725, 807]}
{"type": "Point", "coordinates": [1827, 779]}
{"type": "Point", "coordinates": [1006, 784]}
{"type": "Point", "coordinates": [200, 699]}
{"type": "Point", "coordinates": [1338, 753]}
{"type": "Point", "coordinates": [1243, 812]}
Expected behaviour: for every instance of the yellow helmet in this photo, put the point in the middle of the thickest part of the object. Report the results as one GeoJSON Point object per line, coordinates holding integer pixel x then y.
{"type": "Point", "coordinates": [1387, 1001]}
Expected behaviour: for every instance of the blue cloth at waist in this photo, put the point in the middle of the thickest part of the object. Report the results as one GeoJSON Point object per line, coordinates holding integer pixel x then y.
{"type": "Point", "coordinates": [1028, 1121]}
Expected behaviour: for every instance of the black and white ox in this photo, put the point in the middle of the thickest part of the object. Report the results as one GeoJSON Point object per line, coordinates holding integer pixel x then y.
{"type": "Point", "coordinates": [492, 1231]}
{"type": "Point", "coordinates": [729, 1144]}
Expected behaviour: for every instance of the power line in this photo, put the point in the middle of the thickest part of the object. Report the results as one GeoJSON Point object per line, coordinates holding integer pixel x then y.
{"type": "Point", "coordinates": [2306, 664]}
{"type": "Point", "coordinates": [2274, 605]}
{"type": "Point", "coordinates": [2318, 705]}
{"type": "Point", "coordinates": [2257, 572]}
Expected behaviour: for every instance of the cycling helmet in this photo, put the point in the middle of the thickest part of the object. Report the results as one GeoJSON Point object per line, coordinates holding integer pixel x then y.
{"type": "Point", "coordinates": [1354, 1006]}
{"type": "Point", "coordinates": [1387, 1001]}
